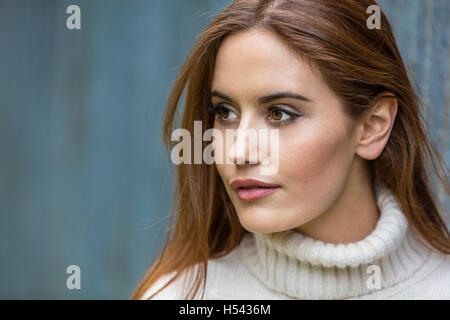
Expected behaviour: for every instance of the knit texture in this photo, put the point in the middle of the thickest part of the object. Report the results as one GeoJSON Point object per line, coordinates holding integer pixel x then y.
{"type": "Point", "coordinates": [290, 265]}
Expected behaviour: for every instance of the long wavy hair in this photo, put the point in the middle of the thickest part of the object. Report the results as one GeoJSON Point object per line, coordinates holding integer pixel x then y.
{"type": "Point", "coordinates": [358, 64]}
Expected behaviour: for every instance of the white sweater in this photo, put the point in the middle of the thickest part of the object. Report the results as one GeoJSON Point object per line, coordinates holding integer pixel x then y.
{"type": "Point", "coordinates": [289, 265]}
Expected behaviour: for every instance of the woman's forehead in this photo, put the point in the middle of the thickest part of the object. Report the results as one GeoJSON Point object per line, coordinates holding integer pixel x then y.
{"type": "Point", "coordinates": [255, 62]}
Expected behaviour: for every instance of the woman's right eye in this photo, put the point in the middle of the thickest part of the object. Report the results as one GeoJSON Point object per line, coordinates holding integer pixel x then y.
{"type": "Point", "coordinates": [223, 113]}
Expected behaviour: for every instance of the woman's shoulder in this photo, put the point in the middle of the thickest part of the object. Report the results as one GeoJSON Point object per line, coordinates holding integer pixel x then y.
{"type": "Point", "coordinates": [177, 288]}
{"type": "Point", "coordinates": [227, 277]}
{"type": "Point", "coordinates": [437, 282]}
{"type": "Point", "coordinates": [433, 281]}
{"type": "Point", "coordinates": [173, 291]}
{"type": "Point", "coordinates": [167, 293]}
{"type": "Point", "coordinates": [430, 282]}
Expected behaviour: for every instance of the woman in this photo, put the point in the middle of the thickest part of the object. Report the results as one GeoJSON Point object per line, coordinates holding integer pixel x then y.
{"type": "Point", "coordinates": [350, 212]}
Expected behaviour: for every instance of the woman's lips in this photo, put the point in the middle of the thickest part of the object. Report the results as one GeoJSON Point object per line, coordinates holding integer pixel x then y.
{"type": "Point", "coordinates": [255, 193]}
{"type": "Point", "coordinates": [252, 189]}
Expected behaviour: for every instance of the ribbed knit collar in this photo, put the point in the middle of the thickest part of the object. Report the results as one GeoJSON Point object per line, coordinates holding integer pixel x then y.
{"type": "Point", "coordinates": [300, 267]}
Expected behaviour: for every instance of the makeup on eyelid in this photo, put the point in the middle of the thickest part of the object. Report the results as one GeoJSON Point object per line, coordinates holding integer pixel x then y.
{"type": "Point", "coordinates": [268, 99]}
{"type": "Point", "coordinates": [216, 109]}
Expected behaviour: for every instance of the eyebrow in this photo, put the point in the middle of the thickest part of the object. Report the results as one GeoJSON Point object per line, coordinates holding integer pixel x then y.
{"type": "Point", "coordinates": [266, 99]}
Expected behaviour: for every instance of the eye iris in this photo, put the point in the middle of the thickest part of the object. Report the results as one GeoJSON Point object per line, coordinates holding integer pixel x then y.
{"type": "Point", "coordinates": [224, 113]}
{"type": "Point", "coordinates": [276, 114]}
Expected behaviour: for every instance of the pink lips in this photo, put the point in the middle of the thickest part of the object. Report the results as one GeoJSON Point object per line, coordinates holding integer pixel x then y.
{"type": "Point", "coordinates": [251, 189]}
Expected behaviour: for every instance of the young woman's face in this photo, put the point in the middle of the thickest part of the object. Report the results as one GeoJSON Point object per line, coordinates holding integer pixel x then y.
{"type": "Point", "coordinates": [316, 150]}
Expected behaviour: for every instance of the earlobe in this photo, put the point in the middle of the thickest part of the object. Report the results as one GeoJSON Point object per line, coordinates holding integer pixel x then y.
{"type": "Point", "coordinates": [375, 130]}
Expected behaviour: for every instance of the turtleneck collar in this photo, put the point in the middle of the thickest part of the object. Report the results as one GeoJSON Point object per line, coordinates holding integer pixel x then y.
{"type": "Point", "coordinates": [300, 267]}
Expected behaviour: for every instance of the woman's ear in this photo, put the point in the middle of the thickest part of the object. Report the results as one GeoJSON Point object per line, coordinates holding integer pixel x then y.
{"type": "Point", "coordinates": [376, 126]}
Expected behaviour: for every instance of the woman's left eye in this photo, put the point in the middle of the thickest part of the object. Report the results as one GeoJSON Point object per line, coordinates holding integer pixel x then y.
{"type": "Point", "coordinates": [279, 115]}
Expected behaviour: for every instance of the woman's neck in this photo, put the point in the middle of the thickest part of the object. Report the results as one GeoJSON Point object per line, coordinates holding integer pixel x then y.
{"type": "Point", "coordinates": [351, 218]}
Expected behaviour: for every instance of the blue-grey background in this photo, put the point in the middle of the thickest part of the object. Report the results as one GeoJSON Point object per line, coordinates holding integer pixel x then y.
{"type": "Point", "coordinates": [84, 178]}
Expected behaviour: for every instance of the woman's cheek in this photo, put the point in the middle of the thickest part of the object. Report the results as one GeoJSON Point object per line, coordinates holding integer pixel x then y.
{"type": "Point", "coordinates": [314, 165]}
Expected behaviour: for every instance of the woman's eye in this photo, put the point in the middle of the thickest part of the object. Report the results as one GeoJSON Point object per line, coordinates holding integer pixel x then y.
{"type": "Point", "coordinates": [224, 113]}
{"type": "Point", "coordinates": [279, 116]}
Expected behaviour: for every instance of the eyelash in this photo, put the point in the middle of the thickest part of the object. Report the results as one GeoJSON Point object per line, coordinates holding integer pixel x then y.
{"type": "Point", "coordinates": [214, 110]}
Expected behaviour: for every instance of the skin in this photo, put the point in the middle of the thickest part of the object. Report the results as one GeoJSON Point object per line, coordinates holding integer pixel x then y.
{"type": "Point", "coordinates": [323, 174]}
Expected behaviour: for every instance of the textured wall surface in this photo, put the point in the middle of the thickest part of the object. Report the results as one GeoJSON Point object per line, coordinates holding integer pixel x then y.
{"type": "Point", "coordinates": [84, 178]}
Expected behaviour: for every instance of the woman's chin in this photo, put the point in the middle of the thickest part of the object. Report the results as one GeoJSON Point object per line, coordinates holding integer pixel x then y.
{"type": "Point", "coordinates": [260, 225]}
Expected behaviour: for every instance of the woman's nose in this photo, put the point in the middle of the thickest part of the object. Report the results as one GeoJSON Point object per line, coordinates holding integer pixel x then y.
{"type": "Point", "coordinates": [243, 149]}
